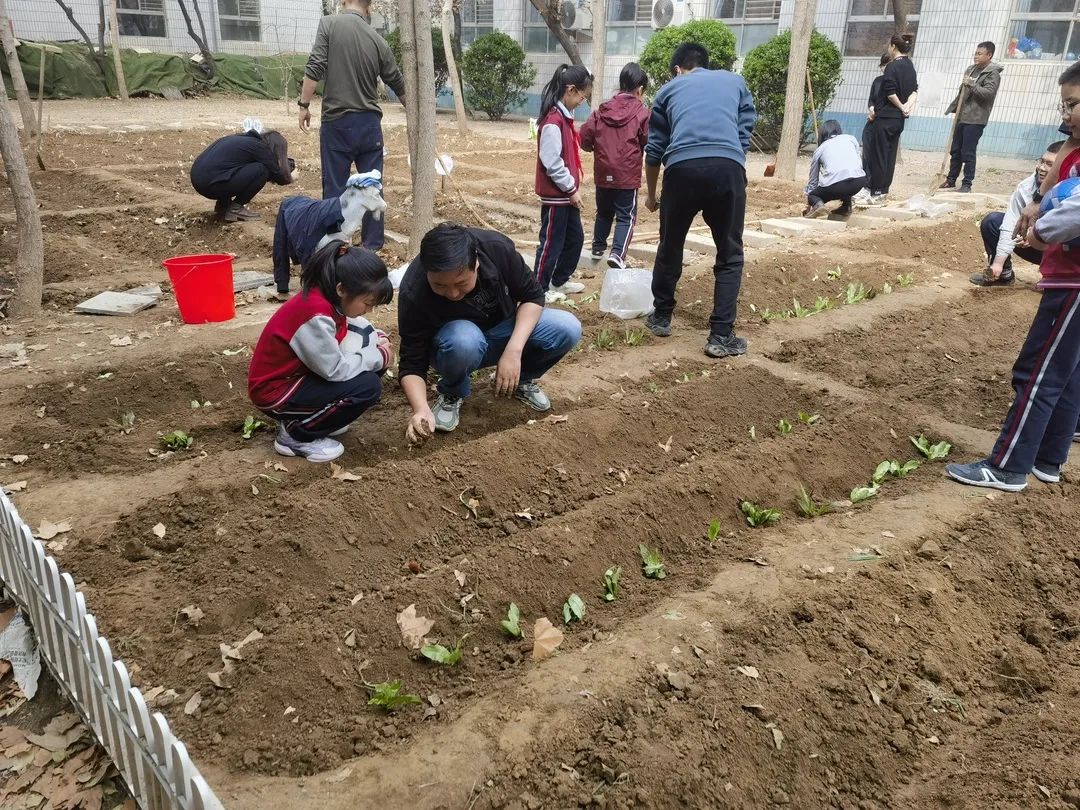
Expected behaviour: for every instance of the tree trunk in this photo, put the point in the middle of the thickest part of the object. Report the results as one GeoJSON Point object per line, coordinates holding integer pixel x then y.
{"type": "Point", "coordinates": [97, 57]}
{"type": "Point", "coordinates": [451, 64]}
{"type": "Point", "coordinates": [802, 26]}
{"type": "Point", "coordinates": [599, 45]}
{"type": "Point", "coordinates": [549, 13]}
{"type": "Point", "coordinates": [101, 27]}
{"type": "Point", "coordinates": [18, 81]}
{"type": "Point", "coordinates": [30, 258]}
{"type": "Point", "coordinates": [118, 66]}
{"type": "Point", "coordinates": [414, 17]}
{"type": "Point", "coordinates": [900, 14]}
{"type": "Point", "coordinates": [455, 41]}
{"type": "Point", "coordinates": [204, 49]}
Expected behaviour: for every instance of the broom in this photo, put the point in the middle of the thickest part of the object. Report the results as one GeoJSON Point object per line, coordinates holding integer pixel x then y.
{"type": "Point", "coordinates": [938, 178]}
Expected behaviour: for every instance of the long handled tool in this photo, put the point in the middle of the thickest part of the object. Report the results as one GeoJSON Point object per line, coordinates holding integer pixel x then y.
{"type": "Point", "coordinates": [938, 178]}
{"type": "Point", "coordinates": [813, 106]}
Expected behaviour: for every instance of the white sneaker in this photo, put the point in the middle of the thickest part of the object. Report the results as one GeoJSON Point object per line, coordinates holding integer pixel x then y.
{"type": "Point", "coordinates": [341, 431]}
{"type": "Point", "coordinates": [615, 262]}
{"type": "Point", "coordinates": [570, 287]}
{"type": "Point", "coordinates": [878, 199]}
{"type": "Point", "coordinates": [319, 451]}
{"type": "Point", "coordinates": [552, 297]}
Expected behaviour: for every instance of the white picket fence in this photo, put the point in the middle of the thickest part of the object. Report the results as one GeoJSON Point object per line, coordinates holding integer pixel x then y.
{"type": "Point", "coordinates": [153, 762]}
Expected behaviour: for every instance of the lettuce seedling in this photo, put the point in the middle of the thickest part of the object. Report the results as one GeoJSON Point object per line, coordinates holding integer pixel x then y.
{"type": "Point", "coordinates": [177, 440]}
{"type": "Point", "coordinates": [934, 452]}
{"type": "Point", "coordinates": [714, 530]}
{"type": "Point", "coordinates": [511, 623]}
{"type": "Point", "coordinates": [757, 516]}
{"type": "Point", "coordinates": [784, 426]}
{"type": "Point", "coordinates": [388, 697]}
{"type": "Point", "coordinates": [573, 609]}
{"type": "Point", "coordinates": [440, 655]}
{"type": "Point", "coordinates": [863, 493]}
{"type": "Point", "coordinates": [251, 424]}
{"type": "Point", "coordinates": [808, 507]}
{"type": "Point", "coordinates": [651, 563]}
{"type": "Point", "coordinates": [611, 583]}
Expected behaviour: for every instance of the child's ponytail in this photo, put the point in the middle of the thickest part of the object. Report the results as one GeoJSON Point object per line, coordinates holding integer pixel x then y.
{"type": "Point", "coordinates": [565, 76]}
{"type": "Point", "coordinates": [359, 271]}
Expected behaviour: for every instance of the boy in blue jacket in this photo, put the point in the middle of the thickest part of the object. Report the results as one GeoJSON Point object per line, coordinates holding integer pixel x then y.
{"type": "Point", "coordinates": [700, 131]}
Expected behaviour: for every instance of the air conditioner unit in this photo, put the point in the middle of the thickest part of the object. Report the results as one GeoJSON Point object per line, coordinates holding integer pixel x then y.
{"type": "Point", "coordinates": [668, 12]}
{"type": "Point", "coordinates": [574, 17]}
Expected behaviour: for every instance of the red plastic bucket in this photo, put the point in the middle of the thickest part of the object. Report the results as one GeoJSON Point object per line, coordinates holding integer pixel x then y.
{"type": "Point", "coordinates": [203, 286]}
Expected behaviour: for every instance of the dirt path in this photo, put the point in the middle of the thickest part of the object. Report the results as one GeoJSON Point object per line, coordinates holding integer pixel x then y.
{"type": "Point", "coordinates": [916, 650]}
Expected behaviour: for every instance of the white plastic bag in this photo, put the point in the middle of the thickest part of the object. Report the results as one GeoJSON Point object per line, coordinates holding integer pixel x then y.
{"type": "Point", "coordinates": [926, 208]}
{"type": "Point", "coordinates": [627, 293]}
{"type": "Point", "coordinates": [17, 646]}
{"type": "Point", "coordinates": [397, 275]}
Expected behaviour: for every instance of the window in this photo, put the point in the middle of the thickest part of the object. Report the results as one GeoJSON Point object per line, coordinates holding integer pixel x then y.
{"type": "Point", "coordinates": [752, 21]}
{"type": "Point", "coordinates": [141, 18]}
{"type": "Point", "coordinates": [1044, 29]}
{"type": "Point", "coordinates": [871, 24]}
{"type": "Point", "coordinates": [477, 18]}
{"type": "Point", "coordinates": [239, 20]}
{"type": "Point", "coordinates": [538, 38]}
{"type": "Point", "coordinates": [629, 26]}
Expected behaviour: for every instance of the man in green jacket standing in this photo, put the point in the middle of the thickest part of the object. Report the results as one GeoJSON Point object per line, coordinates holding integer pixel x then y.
{"type": "Point", "coordinates": [980, 87]}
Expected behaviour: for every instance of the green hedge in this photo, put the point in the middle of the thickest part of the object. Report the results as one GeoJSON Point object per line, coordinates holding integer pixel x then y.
{"type": "Point", "coordinates": [496, 74]}
{"type": "Point", "coordinates": [718, 39]}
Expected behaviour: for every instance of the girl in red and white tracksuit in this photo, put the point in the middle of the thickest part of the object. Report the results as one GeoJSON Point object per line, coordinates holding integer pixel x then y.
{"type": "Point", "coordinates": [317, 364]}
{"type": "Point", "coordinates": [558, 181]}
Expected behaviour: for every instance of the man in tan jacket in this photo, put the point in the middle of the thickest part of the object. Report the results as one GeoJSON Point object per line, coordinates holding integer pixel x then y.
{"type": "Point", "coordinates": [980, 87]}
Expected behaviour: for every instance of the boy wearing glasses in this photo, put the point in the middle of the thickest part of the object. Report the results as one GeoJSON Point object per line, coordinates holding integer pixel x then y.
{"type": "Point", "coordinates": [997, 227]}
{"type": "Point", "coordinates": [1041, 424]}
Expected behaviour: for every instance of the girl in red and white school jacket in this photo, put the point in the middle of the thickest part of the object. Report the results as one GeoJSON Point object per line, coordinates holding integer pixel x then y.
{"type": "Point", "coordinates": [318, 362]}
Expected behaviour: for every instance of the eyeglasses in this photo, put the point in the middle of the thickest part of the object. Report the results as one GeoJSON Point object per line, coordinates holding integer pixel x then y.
{"type": "Point", "coordinates": [1066, 107]}
{"type": "Point", "coordinates": [1044, 164]}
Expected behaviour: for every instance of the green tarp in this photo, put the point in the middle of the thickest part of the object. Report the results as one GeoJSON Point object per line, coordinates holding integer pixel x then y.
{"type": "Point", "coordinates": [74, 73]}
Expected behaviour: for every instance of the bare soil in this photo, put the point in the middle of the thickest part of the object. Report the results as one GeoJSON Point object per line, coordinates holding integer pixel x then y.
{"type": "Point", "coordinates": [918, 650]}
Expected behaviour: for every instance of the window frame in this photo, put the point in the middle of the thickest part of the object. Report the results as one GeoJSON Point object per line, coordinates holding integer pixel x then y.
{"type": "Point", "coordinates": [240, 17]}
{"type": "Point", "coordinates": [885, 17]}
{"type": "Point", "coordinates": [480, 24]}
{"type": "Point", "coordinates": [144, 12]}
{"type": "Point", "coordinates": [1070, 18]}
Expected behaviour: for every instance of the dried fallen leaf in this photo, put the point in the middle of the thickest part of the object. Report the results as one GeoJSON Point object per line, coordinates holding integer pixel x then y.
{"type": "Point", "coordinates": [228, 652]}
{"type": "Point", "coordinates": [16, 486]}
{"type": "Point", "coordinates": [460, 577]}
{"type": "Point", "coordinates": [280, 467]}
{"type": "Point", "coordinates": [20, 458]}
{"type": "Point", "coordinates": [48, 530]}
{"type": "Point", "coordinates": [749, 672]}
{"type": "Point", "coordinates": [666, 446]}
{"type": "Point", "coordinates": [40, 412]}
{"type": "Point", "coordinates": [254, 635]}
{"type": "Point", "coordinates": [341, 474]}
{"type": "Point", "coordinates": [526, 515]}
{"type": "Point", "coordinates": [413, 628]}
{"type": "Point", "coordinates": [192, 614]}
{"type": "Point", "coordinates": [874, 696]}
{"type": "Point", "coordinates": [193, 703]}
{"type": "Point", "coordinates": [217, 678]}
{"type": "Point", "coordinates": [159, 530]}
{"type": "Point", "coordinates": [121, 341]}
{"type": "Point", "coordinates": [356, 598]}
{"type": "Point", "coordinates": [777, 736]}
{"type": "Point", "coordinates": [555, 419]}
{"type": "Point", "coordinates": [350, 638]}
{"type": "Point", "coordinates": [254, 489]}
{"type": "Point", "coordinates": [546, 638]}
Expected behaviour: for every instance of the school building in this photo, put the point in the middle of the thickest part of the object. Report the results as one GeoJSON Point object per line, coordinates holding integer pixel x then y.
{"type": "Point", "coordinates": [1035, 40]}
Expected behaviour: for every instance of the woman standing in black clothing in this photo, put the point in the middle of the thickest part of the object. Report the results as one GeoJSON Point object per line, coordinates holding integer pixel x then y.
{"type": "Point", "coordinates": [894, 102]}
{"type": "Point", "coordinates": [233, 169]}
{"type": "Point", "coordinates": [875, 88]}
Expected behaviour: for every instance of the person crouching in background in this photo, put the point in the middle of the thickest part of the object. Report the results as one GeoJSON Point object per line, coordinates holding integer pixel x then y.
{"type": "Point", "coordinates": [836, 171]}
{"type": "Point", "coordinates": [233, 169]}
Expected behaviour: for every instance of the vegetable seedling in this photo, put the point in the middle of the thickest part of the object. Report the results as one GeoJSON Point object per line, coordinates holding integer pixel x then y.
{"type": "Point", "coordinates": [573, 609]}
{"type": "Point", "coordinates": [822, 303]}
{"type": "Point", "coordinates": [654, 388]}
{"type": "Point", "coordinates": [251, 424]}
{"type": "Point", "coordinates": [388, 696]}
{"type": "Point", "coordinates": [605, 339]}
{"type": "Point", "coordinates": [886, 288]}
{"type": "Point", "coordinates": [808, 507]}
{"type": "Point", "coordinates": [860, 494]}
{"type": "Point", "coordinates": [634, 337]}
{"type": "Point", "coordinates": [177, 440]}
{"type": "Point", "coordinates": [651, 563]}
{"type": "Point", "coordinates": [611, 583]}
{"type": "Point", "coordinates": [798, 310]}
{"type": "Point", "coordinates": [127, 421]}
{"type": "Point", "coordinates": [934, 452]}
{"type": "Point", "coordinates": [905, 279]}
{"type": "Point", "coordinates": [511, 623]}
{"type": "Point", "coordinates": [835, 274]}
{"type": "Point", "coordinates": [856, 291]}
{"type": "Point", "coordinates": [784, 426]}
{"type": "Point", "coordinates": [714, 530]}
{"type": "Point", "coordinates": [757, 516]}
{"type": "Point", "coordinates": [753, 433]}
{"type": "Point", "coordinates": [440, 655]}
{"type": "Point", "coordinates": [809, 418]}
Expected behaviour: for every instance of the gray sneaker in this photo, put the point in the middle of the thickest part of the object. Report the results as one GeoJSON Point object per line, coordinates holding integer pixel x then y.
{"type": "Point", "coordinates": [447, 412]}
{"type": "Point", "coordinates": [659, 325]}
{"type": "Point", "coordinates": [533, 395]}
{"type": "Point", "coordinates": [1046, 472]}
{"type": "Point", "coordinates": [984, 474]}
{"type": "Point", "coordinates": [725, 346]}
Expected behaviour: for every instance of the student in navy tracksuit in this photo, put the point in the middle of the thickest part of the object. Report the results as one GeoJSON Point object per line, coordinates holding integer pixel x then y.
{"type": "Point", "coordinates": [1042, 422]}
{"type": "Point", "coordinates": [617, 132]}
{"type": "Point", "coordinates": [558, 182]}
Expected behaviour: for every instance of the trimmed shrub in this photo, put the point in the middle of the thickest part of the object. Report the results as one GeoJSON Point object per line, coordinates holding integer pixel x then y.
{"type": "Point", "coordinates": [442, 72]}
{"type": "Point", "coordinates": [496, 74]}
{"type": "Point", "coordinates": [765, 70]}
{"type": "Point", "coordinates": [718, 39]}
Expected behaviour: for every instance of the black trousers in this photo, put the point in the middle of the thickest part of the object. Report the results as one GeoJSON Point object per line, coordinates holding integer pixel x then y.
{"type": "Point", "coordinates": [318, 407]}
{"type": "Point", "coordinates": [356, 137]}
{"type": "Point", "coordinates": [241, 188]}
{"type": "Point", "coordinates": [866, 136]}
{"type": "Point", "coordinates": [883, 143]}
{"type": "Point", "coordinates": [715, 188]}
{"type": "Point", "coordinates": [962, 151]}
{"type": "Point", "coordinates": [990, 228]}
{"type": "Point", "coordinates": [843, 190]}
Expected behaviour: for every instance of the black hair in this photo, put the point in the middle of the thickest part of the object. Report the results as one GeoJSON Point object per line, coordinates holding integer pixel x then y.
{"type": "Point", "coordinates": [829, 129]}
{"type": "Point", "coordinates": [1071, 74]}
{"type": "Point", "coordinates": [631, 77]}
{"type": "Point", "coordinates": [1055, 147]}
{"type": "Point", "coordinates": [447, 247]}
{"type": "Point", "coordinates": [565, 75]}
{"type": "Point", "coordinates": [987, 46]}
{"type": "Point", "coordinates": [689, 55]}
{"type": "Point", "coordinates": [885, 59]}
{"type": "Point", "coordinates": [902, 42]}
{"type": "Point", "coordinates": [358, 270]}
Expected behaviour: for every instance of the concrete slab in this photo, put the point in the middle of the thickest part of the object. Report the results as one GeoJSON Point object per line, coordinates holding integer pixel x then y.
{"type": "Point", "coordinates": [759, 239]}
{"type": "Point", "coordinates": [784, 227]}
{"type": "Point", "coordinates": [820, 225]}
{"type": "Point", "coordinates": [970, 199]}
{"type": "Point", "coordinates": [249, 280]}
{"type": "Point", "coordinates": [889, 212]}
{"type": "Point", "coordinates": [115, 303]}
{"type": "Point", "coordinates": [151, 290]}
{"type": "Point", "coordinates": [860, 220]}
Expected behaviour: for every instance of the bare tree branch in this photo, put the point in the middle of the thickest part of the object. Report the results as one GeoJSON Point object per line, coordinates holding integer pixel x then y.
{"type": "Point", "coordinates": [549, 13]}
{"type": "Point", "coordinates": [97, 56]}
{"type": "Point", "coordinates": [209, 65]}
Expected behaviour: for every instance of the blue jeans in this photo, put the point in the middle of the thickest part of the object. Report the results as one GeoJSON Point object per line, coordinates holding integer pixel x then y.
{"type": "Point", "coordinates": [461, 347]}
{"type": "Point", "coordinates": [355, 137]}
